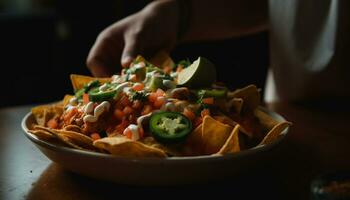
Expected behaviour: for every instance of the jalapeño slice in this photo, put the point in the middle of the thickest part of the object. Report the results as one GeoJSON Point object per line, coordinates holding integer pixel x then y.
{"type": "Point", "coordinates": [87, 87]}
{"type": "Point", "coordinates": [170, 127]}
{"type": "Point", "coordinates": [96, 95]}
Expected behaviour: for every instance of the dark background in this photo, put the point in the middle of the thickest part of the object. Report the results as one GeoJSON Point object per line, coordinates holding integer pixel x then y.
{"type": "Point", "coordinates": [43, 41]}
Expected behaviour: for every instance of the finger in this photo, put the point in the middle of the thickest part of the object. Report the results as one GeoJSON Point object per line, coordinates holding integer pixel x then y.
{"type": "Point", "coordinates": [131, 50]}
{"type": "Point", "coordinates": [104, 55]}
{"type": "Point", "coordinates": [98, 68]}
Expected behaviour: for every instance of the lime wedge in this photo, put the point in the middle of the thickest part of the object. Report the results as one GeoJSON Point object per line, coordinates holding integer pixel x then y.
{"type": "Point", "coordinates": [200, 73]}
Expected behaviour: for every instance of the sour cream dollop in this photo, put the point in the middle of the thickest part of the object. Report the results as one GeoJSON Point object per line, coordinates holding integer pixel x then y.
{"type": "Point", "coordinates": [104, 106]}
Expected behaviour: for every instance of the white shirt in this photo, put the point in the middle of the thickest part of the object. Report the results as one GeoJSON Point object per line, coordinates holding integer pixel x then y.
{"type": "Point", "coordinates": [309, 49]}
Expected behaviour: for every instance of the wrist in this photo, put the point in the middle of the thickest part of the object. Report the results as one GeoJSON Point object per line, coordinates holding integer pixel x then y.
{"type": "Point", "coordinates": [181, 11]}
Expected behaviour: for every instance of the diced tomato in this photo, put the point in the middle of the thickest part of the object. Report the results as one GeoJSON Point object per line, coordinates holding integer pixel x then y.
{"type": "Point", "coordinates": [146, 109]}
{"type": "Point", "coordinates": [119, 114]}
{"type": "Point", "coordinates": [189, 114]}
{"type": "Point", "coordinates": [52, 123]}
{"type": "Point", "coordinates": [95, 136]}
{"type": "Point", "coordinates": [125, 123]}
{"type": "Point", "coordinates": [152, 97]}
{"type": "Point", "coordinates": [86, 99]}
{"type": "Point", "coordinates": [70, 114]}
{"type": "Point", "coordinates": [128, 110]}
{"type": "Point", "coordinates": [137, 105]}
{"type": "Point", "coordinates": [179, 68]}
{"type": "Point", "coordinates": [138, 87]}
{"type": "Point", "coordinates": [167, 69]}
{"type": "Point", "coordinates": [159, 102]}
{"type": "Point", "coordinates": [209, 100]}
{"type": "Point", "coordinates": [133, 78]}
{"type": "Point", "coordinates": [132, 118]}
{"type": "Point", "coordinates": [128, 133]}
{"type": "Point", "coordinates": [160, 92]}
{"type": "Point", "coordinates": [205, 112]}
{"type": "Point", "coordinates": [121, 127]}
{"type": "Point", "coordinates": [124, 101]}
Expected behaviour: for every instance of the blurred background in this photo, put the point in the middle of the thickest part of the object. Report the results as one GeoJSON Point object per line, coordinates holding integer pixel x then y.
{"type": "Point", "coordinates": [43, 41]}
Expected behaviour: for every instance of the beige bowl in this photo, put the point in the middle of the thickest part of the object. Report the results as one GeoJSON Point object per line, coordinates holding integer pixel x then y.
{"type": "Point", "coordinates": [154, 171]}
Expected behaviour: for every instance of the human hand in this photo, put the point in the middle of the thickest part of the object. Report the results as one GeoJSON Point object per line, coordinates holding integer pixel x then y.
{"type": "Point", "coordinates": [152, 29]}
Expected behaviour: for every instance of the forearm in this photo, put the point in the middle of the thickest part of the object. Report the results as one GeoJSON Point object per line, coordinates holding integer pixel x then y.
{"type": "Point", "coordinates": [220, 19]}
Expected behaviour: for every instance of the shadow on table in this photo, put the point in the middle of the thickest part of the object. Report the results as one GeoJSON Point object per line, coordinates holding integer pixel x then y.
{"type": "Point", "coordinates": [56, 183]}
{"type": "Point", "coordinates": [278, 178]}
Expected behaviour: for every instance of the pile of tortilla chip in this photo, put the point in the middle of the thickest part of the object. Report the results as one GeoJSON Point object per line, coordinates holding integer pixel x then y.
{"type": "Point", "coordinates": [217, 135]}
{"type": "Point", "coordinates": [247, 126]}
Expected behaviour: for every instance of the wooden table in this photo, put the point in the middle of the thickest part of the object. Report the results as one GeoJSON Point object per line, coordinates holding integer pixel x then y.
{"type": "Point", "coordinates": [318, 142]}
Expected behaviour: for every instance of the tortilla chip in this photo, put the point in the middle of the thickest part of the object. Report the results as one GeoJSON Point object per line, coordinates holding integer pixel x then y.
{"type": "Point", "coordinates": [265, 119]}
{"type": "Point", "coordinates": [42, 134]}
{"type": "Point", "coordinates": [60, 137]}
{"type": "Point", "coordinates": [194, 143]}
{"type": "Point", "coordinates": [232, 143]}
{"type": "Point", "coordinates": [161, 60]}
{"type": "Point", "coordinates": [76, 136]}
{"type": "Point", "coordinates": [71, 138]}
{"type": "Point", "coordinates": [233, 105]}
{"type": "Point", "coordinates": [123, 146]}
{"type": "Point", "coordinates": [66, 99]}
{"type": "Point", "coordinates": [275, 132]}
{"type": "Point", "coordinates": [237, 104]}
{"type": "Point", "coordinates": [73, 128]}
{"type": "Point", "coordinates": [171, 150]}
{"type": "Point", "coordinates": [69, 142]}
{"type": "Point", "coordinates": [225, 119]}
{"type": "Point", "coordinates": [249, 94]}
{"type": "Point", "coordinates": [44, 113]}
{"type": "Point", "coordinates": [214, 134]}
{"type": "Point", "coordinates": [78, 81]}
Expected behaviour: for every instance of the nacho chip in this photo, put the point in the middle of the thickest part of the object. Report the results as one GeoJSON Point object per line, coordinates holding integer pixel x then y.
{"type": "Point", "coordinates": [168, 149]}
{"type": "Point", "coordinates": [275, 132]}
{"type": "Point", "coordinates": [80, 138]}
{"type": "Point", "coordinates": [123, 146]}
{"type": "Point", "coordinates": [78, 81]}
{"type": "Point", "coordinates": [265, 119]}
{"type": "Point", "coordinates": [66, 99]}
{"type": "Point", "coordinates": [232, 143]}
{"type": "Point", "coordinates": [62, 138]}
{"type": "Point", "coordinates": [44, 113]}
{"type": "Point", "coordinates": [229, 121]}
{"type": "Point", "coordinates": [237, 104]}
{"type": "Point", "coordinates": [225, 119]}
{"type": "Point", "coordinates": [214, 135]}
{"type": "Point", "coordinates": [242, 126]}
{"type": "Point", "coordinates": [42, 134]}
{"type": "Point", "coordinates": [194, 143]}
{"type": "Point", "coordinates": [249, 94]}
{"type": "Point", "coordinates": [73, 128]}
{"type": "Point", "coordinates": [71, 138]}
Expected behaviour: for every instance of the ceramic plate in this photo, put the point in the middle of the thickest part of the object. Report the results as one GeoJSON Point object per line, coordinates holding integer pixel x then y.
{"type": "Point", "coordinates": [153, 171]}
